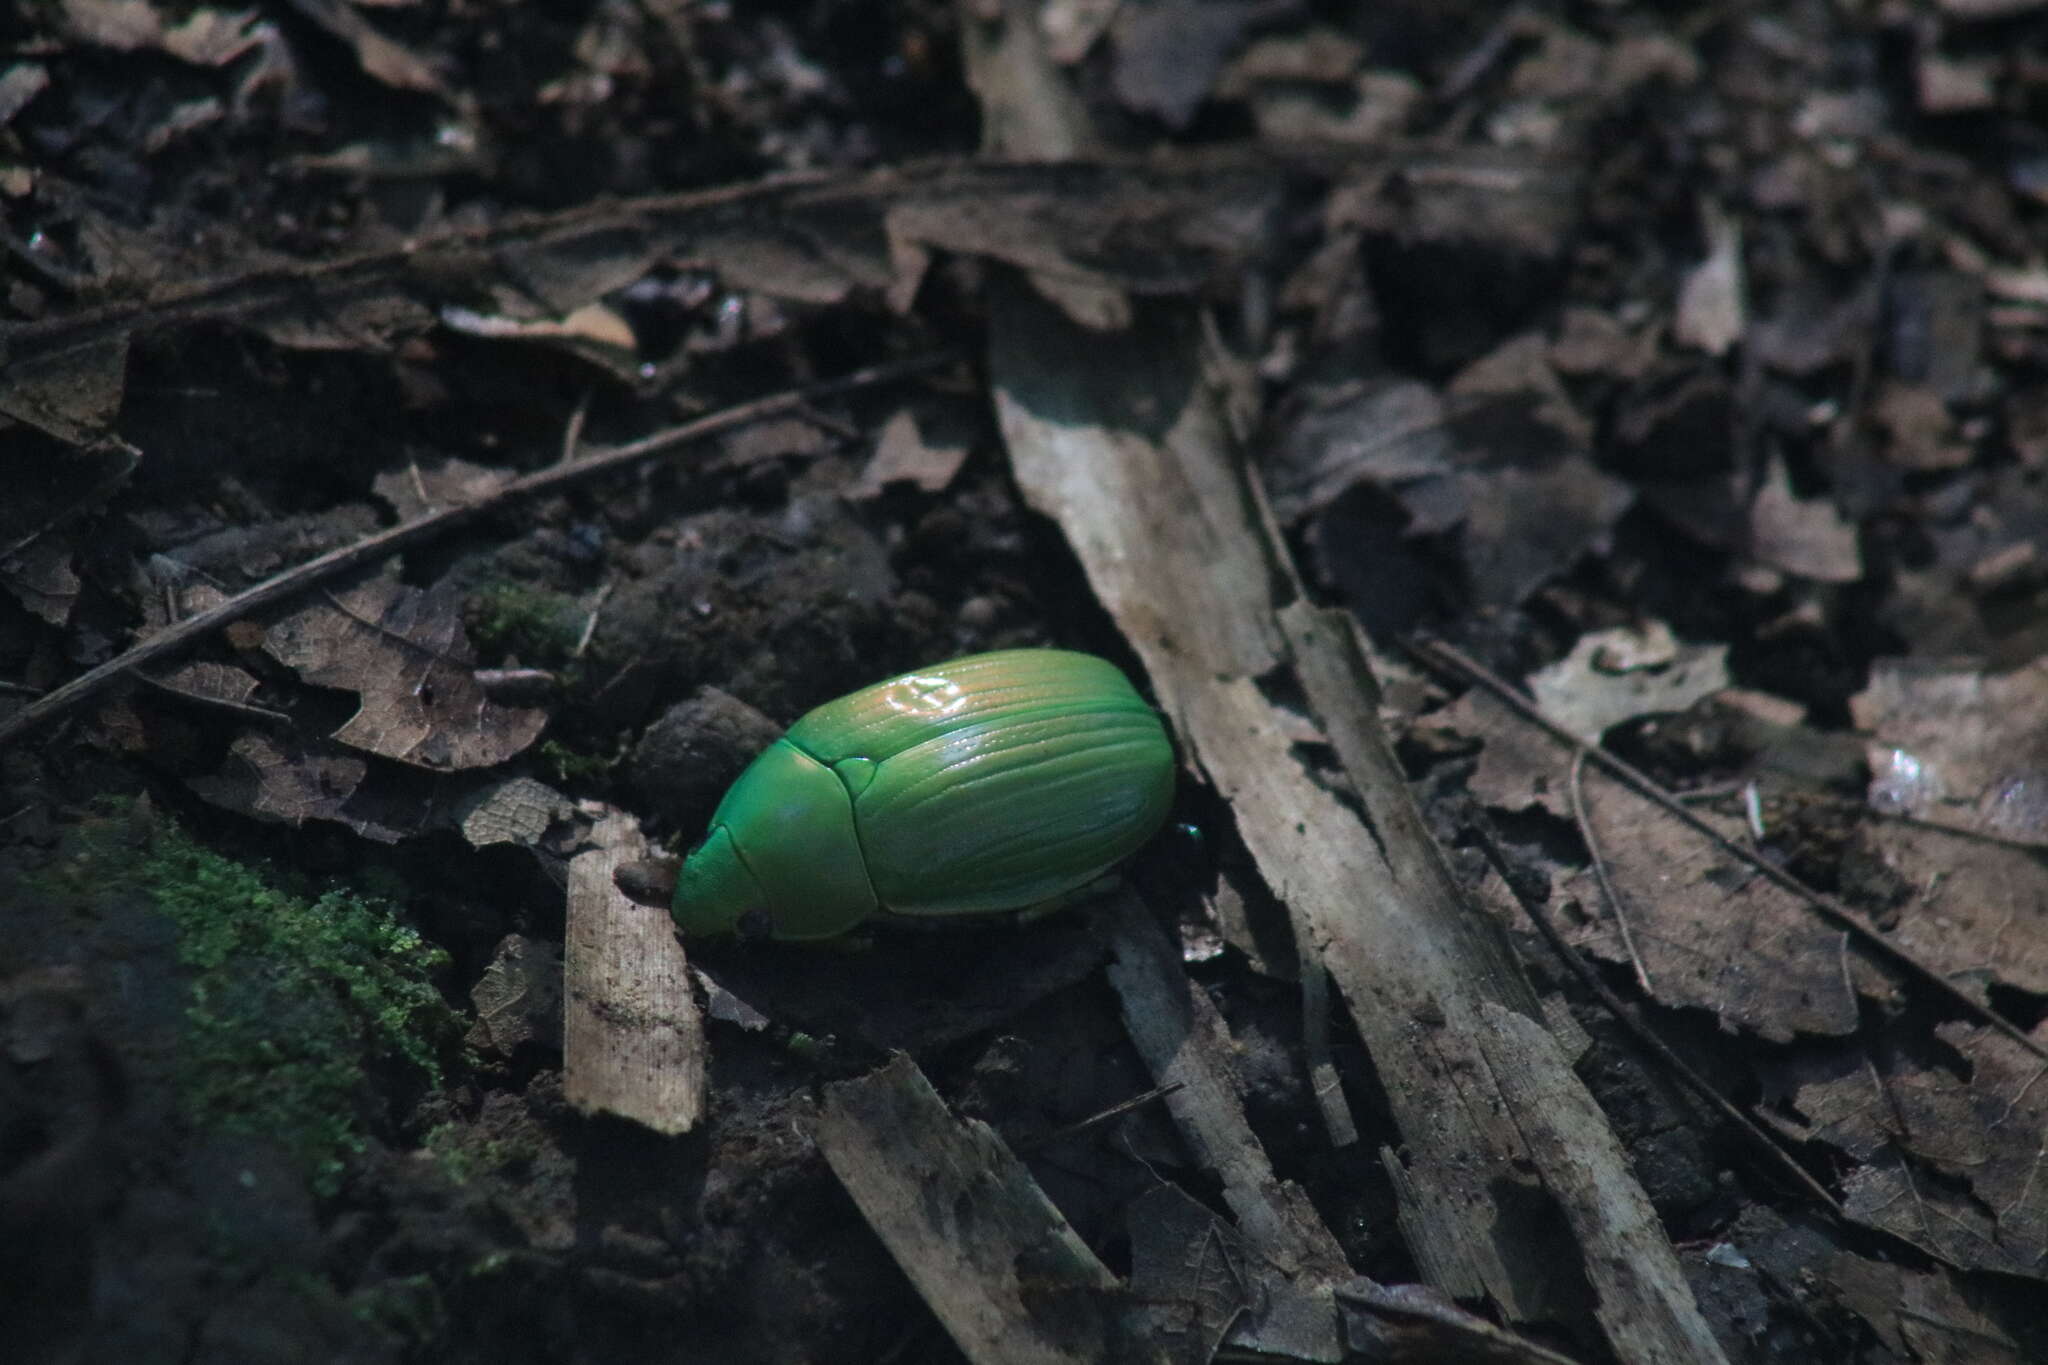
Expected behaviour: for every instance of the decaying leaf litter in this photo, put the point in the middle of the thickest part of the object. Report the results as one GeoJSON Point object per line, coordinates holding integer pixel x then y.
{"type": "Point", "coordinates": [1681, 369]}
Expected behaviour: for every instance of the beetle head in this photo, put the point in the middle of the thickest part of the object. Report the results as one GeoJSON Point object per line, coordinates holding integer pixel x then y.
{"type": "Point", "coordinates": [716, 892]}
{"type": "Point", "coordinates": [783, 858]}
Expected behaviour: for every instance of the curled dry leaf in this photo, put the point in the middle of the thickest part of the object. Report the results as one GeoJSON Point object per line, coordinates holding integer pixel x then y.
{"type": "Point", "coordinates": [404, 652]}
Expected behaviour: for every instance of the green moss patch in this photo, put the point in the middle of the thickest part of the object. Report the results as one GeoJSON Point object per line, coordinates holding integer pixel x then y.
{"type": "Point", "coordinates": [538, 626]}
{"type": "Point", "coordinates": [294, 1006]}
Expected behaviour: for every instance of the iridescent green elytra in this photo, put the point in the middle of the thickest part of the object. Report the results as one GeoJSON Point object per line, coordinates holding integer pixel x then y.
{"type": "Point", "coordinates": [991, 783]}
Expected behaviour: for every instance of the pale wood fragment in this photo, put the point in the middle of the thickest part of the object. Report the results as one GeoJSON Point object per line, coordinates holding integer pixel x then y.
{"type": "Point", "coordinates": [1006, 1274]}
{"type": "Point", "coordinates": [1119, 441]}
{"type": "Point", "coordinates": [633, 1042]}
{"type": "Point", "coordinates": [1178, 1032]}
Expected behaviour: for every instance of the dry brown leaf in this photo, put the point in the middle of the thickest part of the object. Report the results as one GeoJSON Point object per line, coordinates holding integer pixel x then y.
{"type": "Point", "coordinates": [1518, 374]}
{"type": "Point", "coordinates": [591, 323]}
{"type": "Point", "coordinates": [1959, 747]}
{"type": "Point", "coordinates": [404, 652]}
{"type": "Point", "coordinates": [1307, 87]}
{"type": "Point", "coordinates": [1169, 52]}
{"type": "Point", "coordinates": [1590, 341]}
{"type": "Point", "coordinates": [19, 84]}
{"type": "Point", "coordinates": [1805, 536]}
{"type": "Point", "coordinates": [212, 37]}
{"type": "Point", "coordinates": [1972, 907]}
{"type": "Point", "coordinates": [1920, 428]}
{"type": "Point", "coordinates": [279, 779]}
{"type": "Point", "coordinates": [208, 37]}
{"type": "Point", "coordinates": [1390, 433]}
{"type": "Point", "coordinates": [1070, 27]}
{"type": "Point", "coordinates": [73, 394]}
{"type": "Point", "coordinates": [518, 999]}
{"type": "Point", "coordinates": [1987, 9]}
{"type": "Point", "coordinates": [1533, 499]}
{"type": "Point", "coordinates": [1951, 1145]}
{"type": "Point", "coordinates": [905, 454]}
{"type": "Point", "coordinates": [1317, 55]}
{"type": "Point", "coordinates": [1949, 1137]}
{"type": "Point", "coordinates": [1152, 229]}
{"type": "Point", "coordinates": [1190, 1271]}
{"type": "Point", "coordinates": [1934, 1315]}
{"type": "Point", "coordinates": [210, 681]}
{"type": "Point", "coordinates": [40, 577]}
{"type": "Point", "coordinates": [771, 440]}
{"type": "Point", "coordinates": [515, 811]}
{"type": "Point", "coordinates": [1522, 526]}
{"type": "Point", "coordinates": [1713, 303]}
{"type": "Point", "coordinates": [381, 57]}
{"type": "Point", "coordinates": [419, 489]}
{"type": "Point", "coordinates": [1617, 675]}
{"type": "Point", "coordinates": [1711, 933]}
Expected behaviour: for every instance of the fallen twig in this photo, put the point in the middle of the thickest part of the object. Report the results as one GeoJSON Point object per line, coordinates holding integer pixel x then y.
{"type": "Point", "coordinates": [405, 534]}
{"type": "Point", "coordinates": [1607, 887]}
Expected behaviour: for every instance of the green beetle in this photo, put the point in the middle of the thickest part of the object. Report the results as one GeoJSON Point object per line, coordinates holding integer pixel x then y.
{"type": "Point", "coordinates": [997, 782]}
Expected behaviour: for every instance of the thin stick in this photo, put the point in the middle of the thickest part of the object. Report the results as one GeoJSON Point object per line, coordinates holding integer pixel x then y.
{"type": "Point", "coordinates": [1628, 934]}
{"type": "Point", "coordinates": [405, 534]}
{"type": "Point", "coordinates": [1447, 659]}
{"type": "Point", "coordinates": [1098, 1119]}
